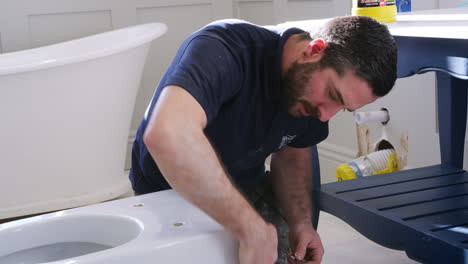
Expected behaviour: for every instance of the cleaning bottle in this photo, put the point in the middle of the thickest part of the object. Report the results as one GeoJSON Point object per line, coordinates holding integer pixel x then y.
{"type": "Point", "coordinates": [384, 11]}
{"type": "Point", "coordinates": [382, 161]}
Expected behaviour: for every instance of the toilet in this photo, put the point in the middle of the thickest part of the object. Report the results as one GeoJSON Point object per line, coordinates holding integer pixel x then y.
{"type": "Point", "coordinates": [159, 227]}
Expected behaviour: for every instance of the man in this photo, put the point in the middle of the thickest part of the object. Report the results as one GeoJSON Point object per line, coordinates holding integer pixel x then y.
{"type": "Point", "coordinates": [234, 94]}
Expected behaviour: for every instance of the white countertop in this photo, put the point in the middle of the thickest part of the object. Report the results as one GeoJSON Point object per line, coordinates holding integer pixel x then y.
{"type": "Point", "coordinates": [437, 23]}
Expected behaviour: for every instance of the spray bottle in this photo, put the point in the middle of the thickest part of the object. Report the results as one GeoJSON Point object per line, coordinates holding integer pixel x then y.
{"type": "Point", "coordinates": [382, 161]}
{"type": "Point", "coordinates": [382, 10]}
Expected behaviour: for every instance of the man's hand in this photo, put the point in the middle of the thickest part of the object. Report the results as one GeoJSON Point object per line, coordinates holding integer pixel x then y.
{"type": "Point", "coordinates": [291, 181]}
{"type": "Point", "coordinates": [260, 247]}
{"type": "Point", "coordinates": [305, 244]}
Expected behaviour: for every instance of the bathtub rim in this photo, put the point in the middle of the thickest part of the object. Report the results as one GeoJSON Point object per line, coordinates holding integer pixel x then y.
{"type": "Point", "coordinates": [31, 59]}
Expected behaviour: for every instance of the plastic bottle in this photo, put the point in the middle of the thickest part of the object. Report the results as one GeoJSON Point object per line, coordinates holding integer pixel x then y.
{"type": "Point", "coordinates": [378, 162]}
{"type": "Point", "coordinates": [384, 11]}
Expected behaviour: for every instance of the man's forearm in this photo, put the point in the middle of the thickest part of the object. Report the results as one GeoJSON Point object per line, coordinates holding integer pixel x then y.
{"type": "Point", "coordinates": [291, 181]}
{"type": "Point", "coordinates": [175, 138]}
{"type": "Point", "coordinates": [191, 166]}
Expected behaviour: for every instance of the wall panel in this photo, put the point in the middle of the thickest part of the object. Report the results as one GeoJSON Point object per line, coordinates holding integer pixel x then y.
{"type": "Point", "coordinates": [452, 3]}
{"type": "Point", "coordinates": [424, 5]}
{"type": "Point", "coordinates": [257, 12]}
{"type": "Point", "coordinates": [306, 9]}
{"type": "Point", "coordinates": [47, 29]}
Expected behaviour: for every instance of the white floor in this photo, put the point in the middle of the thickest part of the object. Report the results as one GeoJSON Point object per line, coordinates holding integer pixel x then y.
{"type": "Point", "coordinates": [345, 245]}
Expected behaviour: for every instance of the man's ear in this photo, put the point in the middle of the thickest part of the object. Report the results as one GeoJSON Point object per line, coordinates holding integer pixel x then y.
{"type": "Point", "coordinates": [315, 50]}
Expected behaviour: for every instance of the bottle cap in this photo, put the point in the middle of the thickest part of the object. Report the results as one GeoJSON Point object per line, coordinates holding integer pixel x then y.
{"type": "Point", "coordinates": [345, 172]}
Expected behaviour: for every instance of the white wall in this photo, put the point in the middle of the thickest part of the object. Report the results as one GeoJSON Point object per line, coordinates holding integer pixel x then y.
{"type": "Point", "coordinates": [29, 23]}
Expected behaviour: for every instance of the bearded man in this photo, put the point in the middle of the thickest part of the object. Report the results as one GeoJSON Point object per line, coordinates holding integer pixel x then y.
{"type": "Point", "coordinates": [236, 93]}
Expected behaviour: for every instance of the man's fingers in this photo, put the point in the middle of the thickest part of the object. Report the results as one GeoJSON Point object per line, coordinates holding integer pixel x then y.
{"type": "Point", "coordinates": [314, 256]}
{"type": "Point", "coordinates": [300, 250]}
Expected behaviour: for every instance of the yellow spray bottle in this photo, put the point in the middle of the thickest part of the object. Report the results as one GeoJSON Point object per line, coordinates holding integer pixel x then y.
{"type": "Point", "coordinates": [379, 162]}
{"type": "Point", "coordinates": [382, 10]}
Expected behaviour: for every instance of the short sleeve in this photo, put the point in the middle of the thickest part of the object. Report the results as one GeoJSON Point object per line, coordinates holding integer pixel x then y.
{"type": "Point", "coordinates": [208, 70]}
{"type": "Point", "coordinates": [315, 133]}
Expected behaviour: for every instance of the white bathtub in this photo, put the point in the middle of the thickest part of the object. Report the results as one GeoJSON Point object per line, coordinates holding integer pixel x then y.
{"type": "Point", "coordinates": [65, 113]}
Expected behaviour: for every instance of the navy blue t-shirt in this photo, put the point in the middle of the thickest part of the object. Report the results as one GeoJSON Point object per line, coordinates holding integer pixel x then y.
{"type": "Point", "coordinates": [233, 69]}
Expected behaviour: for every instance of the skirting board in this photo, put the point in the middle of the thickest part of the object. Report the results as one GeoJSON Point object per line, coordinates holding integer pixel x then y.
{"type": "Point", "coordinates": [128, 159]}
{"type": "Point", "coordinates": [330, 157]}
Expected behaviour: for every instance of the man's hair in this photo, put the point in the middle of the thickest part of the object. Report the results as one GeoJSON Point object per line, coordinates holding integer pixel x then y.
{"type": "Point", "coordinates": [363, 45]}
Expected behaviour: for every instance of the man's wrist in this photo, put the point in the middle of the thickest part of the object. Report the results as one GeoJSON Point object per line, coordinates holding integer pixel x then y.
{"type": "Point", "coordinates": [248, 228]}
{"type": "Point", "coordinates": [300, 223]}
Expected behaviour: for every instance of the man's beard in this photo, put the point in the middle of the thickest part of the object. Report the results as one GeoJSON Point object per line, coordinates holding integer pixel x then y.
{"type": "Point", "coordinates": [293, 86]}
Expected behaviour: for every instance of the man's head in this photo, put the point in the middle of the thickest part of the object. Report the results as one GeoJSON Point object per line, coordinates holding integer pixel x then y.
{"type": "Point", "coordinates": [348, 63]}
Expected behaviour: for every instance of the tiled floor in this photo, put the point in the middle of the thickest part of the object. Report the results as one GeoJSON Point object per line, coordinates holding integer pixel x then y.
{"type": "Point", "coordinates": [345, 245]}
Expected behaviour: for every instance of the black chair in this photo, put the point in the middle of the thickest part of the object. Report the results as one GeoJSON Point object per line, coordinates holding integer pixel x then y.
{"type": "Point", "coordinates": [422, 211]}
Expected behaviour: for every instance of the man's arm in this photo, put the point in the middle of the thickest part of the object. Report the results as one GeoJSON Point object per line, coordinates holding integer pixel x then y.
{"type": "Point", "coordinates": [291, 180]}
{"type": "Point", "coordinates": [177, 143]}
